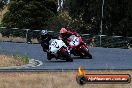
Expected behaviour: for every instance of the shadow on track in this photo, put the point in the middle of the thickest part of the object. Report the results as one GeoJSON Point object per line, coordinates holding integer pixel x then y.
{"type": "Point", "coordinates": [63, 61]}
{"type": "Point", "coordinates": [55, 61]}
{"type": "Point", "coordinates": [78, 57]}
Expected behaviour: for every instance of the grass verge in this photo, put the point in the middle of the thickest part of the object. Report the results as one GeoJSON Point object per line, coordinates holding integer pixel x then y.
{"type": "Point", "coordinates": [14, 60]}
{"type": "Point", "coordinates": [54, 80]}
{"type": "Point", "coordinates": [16, 39]}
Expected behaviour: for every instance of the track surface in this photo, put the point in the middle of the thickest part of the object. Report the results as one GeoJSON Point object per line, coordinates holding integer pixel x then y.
{"type": "Point", "coordinates": [103, 58]}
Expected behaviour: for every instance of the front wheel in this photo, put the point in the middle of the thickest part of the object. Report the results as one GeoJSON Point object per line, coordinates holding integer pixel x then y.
{"type": "Point", "coordinates": [67, 56]}
{"type": "Point", "coordinates": [89, 55]}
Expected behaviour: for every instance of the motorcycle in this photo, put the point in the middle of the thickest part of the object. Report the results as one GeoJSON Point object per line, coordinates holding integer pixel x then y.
{"type": "Point", "coordinates": [59, 49]}
{"type": "Point", "coordinates": [78, 47]}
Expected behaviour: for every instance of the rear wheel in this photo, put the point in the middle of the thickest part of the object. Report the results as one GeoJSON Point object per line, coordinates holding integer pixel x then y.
{"type": "Point", "coordinates": [85, 53]}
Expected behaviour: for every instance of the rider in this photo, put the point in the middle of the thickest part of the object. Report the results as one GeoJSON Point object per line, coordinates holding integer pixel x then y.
{"type": "Point", "coordinates": [45, 38]}
{"type": "Point", "coordinates": [65, 34]}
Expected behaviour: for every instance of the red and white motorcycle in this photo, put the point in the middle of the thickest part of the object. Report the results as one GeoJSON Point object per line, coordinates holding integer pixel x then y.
{"type": "Point", "coordinates": [59, 49]}
{"type": "Point", "coordinates": [78, 47]}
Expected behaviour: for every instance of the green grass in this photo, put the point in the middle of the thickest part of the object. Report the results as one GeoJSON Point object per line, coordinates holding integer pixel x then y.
{"type": "Point", "coordinates": [21, 58]}
{"type": "Point", "coordinates": [13, 60]}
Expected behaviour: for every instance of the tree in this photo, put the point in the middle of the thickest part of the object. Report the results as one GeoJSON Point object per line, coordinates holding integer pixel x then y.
{"type": "Point", "coordinates": [31, 14]}
{"type": "Point", "coordinates": [2, 3]}
{"type": "Point", "coordinates": [87, 12]}
{"type": "Point", "coordinates": [117, 16]}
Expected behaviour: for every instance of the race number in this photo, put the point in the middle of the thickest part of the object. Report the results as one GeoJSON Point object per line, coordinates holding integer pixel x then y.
{"type": "Point", "coordinates": [54, 43]}
{"type": "Point", "coordinates": [74, 41]}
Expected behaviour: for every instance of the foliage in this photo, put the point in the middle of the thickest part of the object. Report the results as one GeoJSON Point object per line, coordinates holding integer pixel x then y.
{"type": "Point", "coordinates": [24, 14]}
{"type": "Point", "coordinates": [85, 12]}
{"type": "Point", "coordinates": [29, 14]}
{"type": "Point", "coordinates": [117, 15]}
{"type": "Point", "coordinates": [55, 23]}
{"type": "Point", "coordinates": [63, 20]}
{"type": "Point", "coordinates": [2, 3]}
{"type": "Point", "coordinates": [21, 58]}
{"type": "Point", "coordinates": [83, 16]}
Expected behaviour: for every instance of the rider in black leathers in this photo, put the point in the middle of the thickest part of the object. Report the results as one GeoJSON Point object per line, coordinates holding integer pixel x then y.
{"type": "Point", "coordinates": [45, 38]}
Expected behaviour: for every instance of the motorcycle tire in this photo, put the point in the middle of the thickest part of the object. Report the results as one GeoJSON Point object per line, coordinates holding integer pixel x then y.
{"type": "Point", "coordinates": [86, 53]}
{"type": "Point", "coordinates": [67, 56]}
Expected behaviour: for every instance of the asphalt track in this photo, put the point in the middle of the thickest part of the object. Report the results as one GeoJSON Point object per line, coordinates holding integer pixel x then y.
{"type": "Point", "coordinates": [103, 58]}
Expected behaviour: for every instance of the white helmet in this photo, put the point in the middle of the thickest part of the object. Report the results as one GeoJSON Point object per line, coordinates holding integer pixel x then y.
{"type": "Point", "coordinates": [44, 32]}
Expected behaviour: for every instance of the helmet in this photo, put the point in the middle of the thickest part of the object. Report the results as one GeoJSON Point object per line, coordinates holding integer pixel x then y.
{"type": "Point", "coordinates": [63, 30]}
{"type": "Point", "coordinates": [44, 32]}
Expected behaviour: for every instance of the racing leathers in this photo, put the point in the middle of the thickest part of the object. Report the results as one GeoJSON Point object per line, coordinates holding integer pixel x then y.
{"type": "Point", "coordinates": [45, 45]}
{"type": "Point", "coordinates": [65, 36]}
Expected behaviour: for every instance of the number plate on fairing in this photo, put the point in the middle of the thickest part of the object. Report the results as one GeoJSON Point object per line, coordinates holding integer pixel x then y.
{"type": "Point", "coordinates": [56, 45]}
{"type": "Point", "coordinates": [74, 40]}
